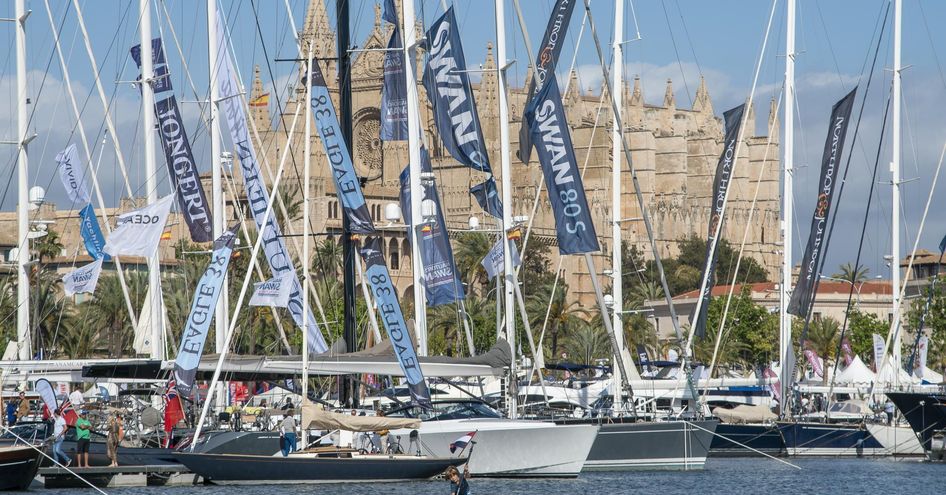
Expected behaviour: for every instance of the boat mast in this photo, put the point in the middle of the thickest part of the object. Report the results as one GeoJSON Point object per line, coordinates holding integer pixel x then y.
{"type": "Point", "coordinates": [509, 273]}
{"type": "Point", "coordinates": [788, 172]}
{"type": "Point", "coordinates": [895, 197]}
{"type": "Point", "coordinates": [151, 184]}
{"type": "Point", "coordinates": [306, 242]}
{"type": "Point", "coordinates": [23, 339]}
{"type": "Point", "coordinates": [617, 287]}
{"type": "Point", "coordinates": [221, 313]}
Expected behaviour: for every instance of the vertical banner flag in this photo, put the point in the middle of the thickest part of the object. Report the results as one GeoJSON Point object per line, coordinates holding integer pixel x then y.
{"type": "Point", "coordinates": [347, 186]}
{"type": "Point", "coordinates": [82, 279]}
{"type": "Point", "coordinates": [92, 234]}
{"type": "Point", "coordinates": [73, 176]}
{"type": "Point", "coordinates": [376, 272]}
{"type": "Point", "coordinates": [553, 143]}
{"type": "Point", "coordinates": [273, 292]}
{"type": "Point", "coordinates": [642, 358]}
{"type": "Point", "coordinates": [775, 388]}
{"type": "Point", "coordinates": [923, 349]}
{"type": "Point", "coordinates": [451, 95]}
{"type": "Point", "coordinates": [724, 171]}
{"type": "Point", "coordinates": [47, 394]}
{"type": "Point", "coordinates": [545, 61]}
{"type": "Point", "coordinates": [138, 232]}
{"type": "Point", "coordinates": [274, 247]}
{"type": "Point", "coordinates": [802, 295]}
{"type": "Point", "coordinates": [394, 91]}
{"type": "Point", "coordinates": [813, 359]}
{"type": "Point", "coordinates": [879, 346]}
{"type": "Point", "coordinates": [493, 262]}
{"type": "Point", "coordinates": [177, 148]}
{"type": "Point", "coordinates": [442, 282]}
{"type": "Point", "coordinates": [847, 351]}
{"type": "Point", "coordinates": [206, 296]}
{"type": "Point", "coordinates": [488, 197]}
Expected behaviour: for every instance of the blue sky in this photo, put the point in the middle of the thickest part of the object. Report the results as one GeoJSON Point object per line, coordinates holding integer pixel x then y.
{"type": "Point", "coordinates": [680, 39]}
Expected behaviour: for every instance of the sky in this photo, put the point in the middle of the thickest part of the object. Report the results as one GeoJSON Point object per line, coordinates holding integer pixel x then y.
{"type": "Point", "coordinates": [678, 39]}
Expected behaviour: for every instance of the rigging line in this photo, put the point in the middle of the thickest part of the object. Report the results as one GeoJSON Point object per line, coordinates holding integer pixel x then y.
{"type": "Point", "coordinates": [929, 36]}
{"type": "Point", "coordinates": [686, 33]}
{"type": "Point", "coordinates": [676, 52]}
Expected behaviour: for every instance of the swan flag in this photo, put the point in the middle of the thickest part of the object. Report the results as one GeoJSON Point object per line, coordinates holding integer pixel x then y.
{"type": "Point", "coordinates": [273, 292]}
{"type": "Point", "coordinates": [82, 279]}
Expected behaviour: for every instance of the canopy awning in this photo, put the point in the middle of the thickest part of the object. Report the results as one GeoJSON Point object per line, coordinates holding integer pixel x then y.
{"type": "Point", "coordinates": [314, 417]}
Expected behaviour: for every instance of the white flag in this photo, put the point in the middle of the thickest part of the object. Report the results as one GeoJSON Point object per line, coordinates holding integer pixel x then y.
{"type": "Point", "coordinates": [493, 262]}
{"type": "Point", "coordinates": [138, 232]}
{"type": "Point", "coordinates": [879, 346]}
{"type": "Point", "coordinates": [923, 350]}
{"type": "Point", "coordinates": [82, 279]}
{"type": "Point", "coordinates": [273, 292]}
{"type": "Point", "coordinates": [73, 176]}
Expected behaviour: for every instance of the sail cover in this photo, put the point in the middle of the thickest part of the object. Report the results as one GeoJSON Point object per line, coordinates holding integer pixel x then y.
{"type": "Point", "coordinates": [314, 417]}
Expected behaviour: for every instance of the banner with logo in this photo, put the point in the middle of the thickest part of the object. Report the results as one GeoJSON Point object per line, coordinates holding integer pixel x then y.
{"type": "Point", "coordinates": [91, 233]}
{"type": "Point", "coordinates": [488, 197]}
{"type": "Point", "coordinates": [138, 232]}
{"type": "Point", "coordinates": [277, 256]}
{"type": "Point", "coordinates": [48, 394]}
{"type": "Point", "coordinates": [724, 171]}
{"type": "Point", "coordinates": [807, 284]}
{"type": "Point", "coordinates": [448, 86]}
{"type": "Point", "coordinates": [879, 347]}
{"type": "Point", "coordinates": [923, 348]}
{"type": "Point", "coordinates": [185, 180]}
{"type": "Point", "coordinates": [202, 312]}
{"type": "Point", "coordinates": [273, 292]}
{"type": "Point", "coordinates": [847, 351]}
{"type": "Point", "coordinates": [376, 272]}
{"type": "Point", "coordinates": [553, 143]}
{"type": "Point", "coordinates": [394, 91]}
{"type": "Point", "coordinates": [82, 279]}
{"type": "Point", "coordinates": [545, 61]}
{"type": "Point", "coordinates": [72, 175]}
{"type": "Point", "coordinates": [493, 262]}
{"type": "Point", "coordinates": [442, 282]}
{"type": "Point", "coordinates": [813, 359]}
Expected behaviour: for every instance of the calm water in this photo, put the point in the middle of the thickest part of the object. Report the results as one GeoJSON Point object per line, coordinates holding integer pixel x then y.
{"type": "Point", "coordinates": [723, 476]}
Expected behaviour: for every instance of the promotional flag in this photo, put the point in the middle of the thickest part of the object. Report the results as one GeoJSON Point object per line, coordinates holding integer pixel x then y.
{"type": "Point", "coordinates": [813, 359]}
{"type": "Point", "coordinates": [257, 196]}
{"type": "Point", "coordinates": [879, 346]}
{"type": "Point", "coordinates": [643, 358]}
{"type": "Point", "coordinates": [545, 61]}
{"type": "Point", "coordinates": [807, 284]}
{"type": "Point", "coordinates": [91, 233]}
{"type": "Point", "coordinates": [73, 176]}
{"type": "Point", "coordinates": [493, 262]}
{"type": "Point", "coordinates": [462, 442]}
{"type": "Point", "coordinates": [442, 282]}
{"type": "Point", "coordinates": [347, 185]}
{"type": "Point", "coordinates": [846, 351]}
{"type": "Point", "coordinates": [389, 13]}
{"type": "Point", "coordinates": [553, 144]}
{"type": "Point", "coordinates": [82, 279]}
{"type": "Point", "coordinates": [173, 410]}
{"type": "Point", "coordinates": [448, 86]}
{"type": "Point", "coordinates": [724, 171]}
{"type": "Point", "coordinates": [923, 350]}
{"type": "Point", "coordinates": [488, 197]}
{"type": "Point", "coordinates": [47, 394]}
{"type": "Point", "coordinates": [273, 292]}
{"type": "Point", "coordinates": [394, 91]}
{"type": "Point", "coordinates": [201, 314]}
{"type": "Point", "coordinates": [138, 232]}
{"type": "Point", "coordinates": [775, 388]}
{"type": "Point", "coordinates": [376, 273]}
{"type": "Point", "coordinates": [185, 179]}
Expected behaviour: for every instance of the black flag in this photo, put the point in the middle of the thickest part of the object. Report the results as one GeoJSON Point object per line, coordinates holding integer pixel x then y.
{"type": "Point", "coordinates": [724, 170]}
{"type": "Point", "coordinates": [800, 304]}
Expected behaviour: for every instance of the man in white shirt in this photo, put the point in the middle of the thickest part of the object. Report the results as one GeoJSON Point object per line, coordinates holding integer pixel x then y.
{"type": "Point", "coordinates": [59, 435]}
{"type": "Point", "coordinates": [76, 398]}
{"type": "Point", "coordinates": [287, 434]}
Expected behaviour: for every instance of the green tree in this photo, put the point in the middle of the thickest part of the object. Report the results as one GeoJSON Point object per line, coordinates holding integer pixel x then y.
{"type": "Point", "coordinates": [563, 315]}
{"type": "Point", "coordinates": [934, 324]}
{"type": "Point", "coordinates": [469, 249]}
{"type": "Point", "coordinates": [861, 328]}
{"type": "Point", "coordinates": [823, 335]}
{"type": "Point", "coordinates": [587, 342]}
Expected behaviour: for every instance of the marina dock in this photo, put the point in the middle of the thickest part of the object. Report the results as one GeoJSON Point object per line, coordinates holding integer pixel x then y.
{"type": "Point", "coordinates": [120, 476]}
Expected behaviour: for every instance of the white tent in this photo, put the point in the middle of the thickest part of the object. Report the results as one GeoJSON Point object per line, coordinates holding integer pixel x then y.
{"type": "Point", "coordinates": [886, 374]}
{"type": "Point", "coordinates": [928, 375]}
{"type": "Point", "coordinates": [856, 372]}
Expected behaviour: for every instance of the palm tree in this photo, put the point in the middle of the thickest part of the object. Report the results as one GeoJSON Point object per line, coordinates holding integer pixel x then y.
{"type": "Point", "coordinates": [328, 259]}
{"type": "Point", "coordinates": [823, 335]}
{"type": "Point", "coordinates": [587, 342]}
{"type": "Point", "coordinates": [108, 313]}
{"type": "Point", "coordinates": [563, 315]}
{"type": "Point", "coordinates": [468, 252]}
{"type": "Point", "coordinates": [851, 274]}
{"type": "Point", "coordinates": [48, 246]}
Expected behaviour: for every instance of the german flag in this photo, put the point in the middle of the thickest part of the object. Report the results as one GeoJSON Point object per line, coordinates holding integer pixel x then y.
{"type": "Point", "coordinates": [260, 101]}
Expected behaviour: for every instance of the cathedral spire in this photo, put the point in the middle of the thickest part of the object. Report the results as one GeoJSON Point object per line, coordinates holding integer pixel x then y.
{"type": "Point", "coordinates": [702, 103]}
{"type": "Point", "coordinates": [259, 103]}
{"type": "Point", "coordinates": [669, 100]}
{"type": "Point", "coordinates": [637, 95]}
{"type": "Point", "coordinates": [774, 130]}
{"type": "Point", "coordinates": [317, 29]}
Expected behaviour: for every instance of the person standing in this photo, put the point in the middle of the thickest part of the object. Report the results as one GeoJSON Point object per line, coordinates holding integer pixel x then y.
{"type": "Point", "coordinates": [287, 434]}
{"type": "Point", "coordinates": [11, 412]}
{"type": "Point", "coordinates": [116, 432]}
{"type": "Point", "coordinates": [83, 437]}
{"type": "Point", "coordinates": [889, 409]}
{"type": "Point", "coordinates": [76, 398]}
{"type": "Point", "coordinates": [22, 407]}
{"type": "Point", "coordinates": [59, 436]}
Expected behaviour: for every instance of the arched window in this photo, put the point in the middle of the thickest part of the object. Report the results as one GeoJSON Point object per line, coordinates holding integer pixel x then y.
{"type": "Point", "coordinates": [394, 255]}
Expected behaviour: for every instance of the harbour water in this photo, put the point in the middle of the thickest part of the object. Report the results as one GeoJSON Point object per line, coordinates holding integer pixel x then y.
{"type": "Point", "coordinates": [722, 476]}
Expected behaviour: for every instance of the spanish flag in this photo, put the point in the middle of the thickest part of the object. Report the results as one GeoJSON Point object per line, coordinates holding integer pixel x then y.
{"type": "Point", "coordinates": [166, 235]}
{"type": "Point", "coordinates": [260, 101]}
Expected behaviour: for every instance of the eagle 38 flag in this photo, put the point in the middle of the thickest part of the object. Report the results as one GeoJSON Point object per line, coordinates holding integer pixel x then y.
{"type": "Point", "coordinates": [800, 303]}
{"type": "Point", "coordinates": [553, 144]}
{"type": "Point", "coordinates": [206, 296]}
{"type": "Point", "coordinates": [138, 232]}
{"type": "Point", "coordinates": [82, 279]}
{"type": "Point", "coordinates": [376, 272]}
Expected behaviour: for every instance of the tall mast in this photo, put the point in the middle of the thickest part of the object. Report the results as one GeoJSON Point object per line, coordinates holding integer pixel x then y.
{"type": "Point", "coordinates": [305, 233]}
{"type": "Point", "coordinates": [617, 288]}
{"type": "Point", "coordinates": [22, 212]}
{"type": "Point", "coordinates": [151, 185]}
{"type": "Point", "coordinates": [509, 273]}
{"type": "Point", "coordinates": [414, 144]}
{"type": "Point", "coordinates": [788, 171]}
{"type": "Point", "coordinates": [895, 197]}
{"type": "Point", "coordinates": [221, 313]}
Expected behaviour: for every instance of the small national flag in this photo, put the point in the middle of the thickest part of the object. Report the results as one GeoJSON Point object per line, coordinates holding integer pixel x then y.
{"type": "Point", "coordinates": [68, 412]}
{"type": "Point", "coordinates": [166, 235]}
{"type": "Point", "coordinates": [260, 101]}
{"type": "Point", "coordinates": [462, 442]}
{"type": "Point", "coordinates": [173, 409]}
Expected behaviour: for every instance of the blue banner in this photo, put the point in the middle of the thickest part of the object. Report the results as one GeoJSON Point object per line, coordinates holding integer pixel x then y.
{"type": "Point", "coordinates": [553, 144]}
{"type": "Point", "coordinates": [206, 296]}
{"type": "Point", "coordinates": [386, 299]}
{"type": "Point", "coordinates": [92, 234]}
{"type": "Point", "coordinates": [394, 91]}
{"type": "Point", "coordinates": [389, 13]}
{"type": "Point", "coordinates": [441, 279]}
{"type": "Point", "coordinates": [347, 186]}
{"type": "Point", "coordinates": [185, 180]}
{"type": "Point", "coordinates": [488, 197]}
{"type": "Point", "coordinates": [451, 96]}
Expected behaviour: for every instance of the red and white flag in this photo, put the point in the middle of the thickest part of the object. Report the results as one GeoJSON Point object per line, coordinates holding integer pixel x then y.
{"type": "Point", "coordinates": [173, 409]}
{"type": "Point", "coordinates": [462, 442]}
